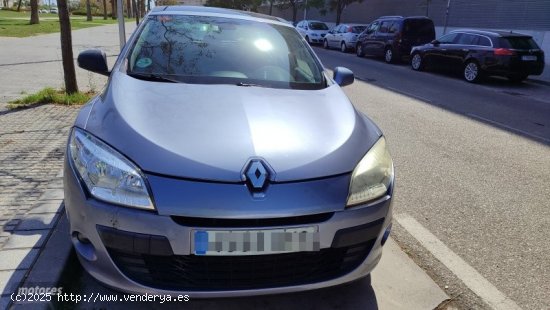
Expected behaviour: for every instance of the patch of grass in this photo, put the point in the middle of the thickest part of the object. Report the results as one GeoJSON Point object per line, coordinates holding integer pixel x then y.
{"type": "Point", "coordinates": [50, 95]}
{"type": "Point", "coordinates": [16, 24]}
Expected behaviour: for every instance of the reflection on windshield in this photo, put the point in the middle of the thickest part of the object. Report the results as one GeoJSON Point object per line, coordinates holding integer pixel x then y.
{"type": "Point", "coordinates": [318, 26]}
{"type": "Point", "coordinates": [198, 49]}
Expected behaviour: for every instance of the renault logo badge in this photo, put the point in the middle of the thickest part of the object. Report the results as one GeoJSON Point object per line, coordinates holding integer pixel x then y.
{"type": "Point", "coordinates": [256, 175]}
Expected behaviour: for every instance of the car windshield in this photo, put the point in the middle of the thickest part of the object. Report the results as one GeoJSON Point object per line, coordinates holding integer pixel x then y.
{"type": "Point", "coordinates": [522, 43]}
{"type": "Point", "coordinates": [358, 29]}
{"type": "Point", "coordinates": [318, 26]}
{"type": "Point", "coordinates": [216, 50]}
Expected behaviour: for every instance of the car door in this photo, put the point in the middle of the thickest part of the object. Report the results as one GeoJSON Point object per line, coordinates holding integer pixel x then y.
{"type": "Point", "coordinates": [436, 55]}
{"type": "Point", "coordinates": [381, 37]}
{"type": "Point", "coordinates": [329, 37]}
{"type": "Point", "coordinates": [456, 53]}
{"type": "Point", "coordinates": [340, 35]}
{"type": "Point", "coordinates": [334, 38]}
{"type": "Point", "coordinates": [368, 41]}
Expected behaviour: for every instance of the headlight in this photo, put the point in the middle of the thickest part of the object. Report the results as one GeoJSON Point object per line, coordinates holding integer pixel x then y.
{"type": "Point", "coordinates": [373, 175]}
{"type": "Point", "coordinates": [107, 174]}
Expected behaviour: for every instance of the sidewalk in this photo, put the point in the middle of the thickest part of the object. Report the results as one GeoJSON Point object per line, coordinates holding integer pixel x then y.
{"type": "Point", "coordinates": [32, 145]}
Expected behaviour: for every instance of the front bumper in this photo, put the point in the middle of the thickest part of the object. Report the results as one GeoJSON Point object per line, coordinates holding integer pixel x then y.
{"type": "Point", "coordinates": [125, 229]}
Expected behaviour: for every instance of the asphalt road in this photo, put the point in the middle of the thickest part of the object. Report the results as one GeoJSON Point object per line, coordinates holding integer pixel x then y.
{"type": "Point", "coordinates": [473, 168]}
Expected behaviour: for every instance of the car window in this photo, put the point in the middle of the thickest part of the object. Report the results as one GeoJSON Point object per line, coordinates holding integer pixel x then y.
{"type": "Point", "coordinates": [343, 28]}
{"type": "Point", "coordinates": [394, 27]}
{"type": "Point", "coordinates": [467, 39]}
{"type": "Point", "coordinates": [385, 26]}
{"type": "Point", "coordinates": [211, 50]}
{"type": "Point", "coordinates": [448, 39]}
{"type": "Point", "coordinates": [418, 27]}
{"type": "Point", "coordinates": [526, 43]}
{"type": "Point", "coordinates": [373, 27]}
{"type": "Point", "coordinates": [358, 29]}
{"type": "Point", "coordinates": [483, 41]}
{"type": "Point", "coordinates": [318, 26]}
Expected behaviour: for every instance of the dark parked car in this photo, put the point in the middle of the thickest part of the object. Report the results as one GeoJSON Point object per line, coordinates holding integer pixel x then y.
{"type": "Point", "coordinates": [394, 36]}
{"type": "Point", "coordinates": [481, 53]}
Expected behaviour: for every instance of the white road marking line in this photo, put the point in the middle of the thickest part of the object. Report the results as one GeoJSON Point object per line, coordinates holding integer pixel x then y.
{"type": "Point", "coordinates": [508, 127]}
{"type": "Point", "coordinates": [466, 273]}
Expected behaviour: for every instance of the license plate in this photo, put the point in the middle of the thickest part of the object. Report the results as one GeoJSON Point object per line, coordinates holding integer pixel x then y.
{"type": "Point", "coordinates": [529, 58]}
{"type": "Point", "coordinates": [255, 242]}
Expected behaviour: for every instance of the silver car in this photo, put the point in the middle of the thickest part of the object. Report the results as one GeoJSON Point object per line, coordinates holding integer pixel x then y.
{"type": "Point", "coordinates": [343, 36]}
{"type": "Point", "coordinates": [221, 159]}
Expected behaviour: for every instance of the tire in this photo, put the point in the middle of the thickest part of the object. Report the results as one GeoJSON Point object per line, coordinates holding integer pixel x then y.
{"type": "Point", "coordinates": [389, 55]}
{"type": "Point", "coordinates": [359, 51]}
{"type": "Point", "coordinates": [343, 47]}
{"type": "Point", "coordinates": [472, 72]}
{"type": "Point", "coordinates": [517, 78]}
{"type": "Point", "coordinates": [325, 44]}
{"type": "Point", "coordinates": [417, 62]}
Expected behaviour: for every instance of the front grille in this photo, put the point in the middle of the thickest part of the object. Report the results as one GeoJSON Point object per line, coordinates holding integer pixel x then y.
{"type": "Point", "coordinates": [191, 272]}
{"type": "Point", "coordinates": [255, 222]}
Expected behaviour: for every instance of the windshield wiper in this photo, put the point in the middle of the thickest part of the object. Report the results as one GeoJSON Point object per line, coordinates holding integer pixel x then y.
{"type": "Point", "coordinates": [152, 77]}
{"type": "Point", "coordinates": [247, 84]}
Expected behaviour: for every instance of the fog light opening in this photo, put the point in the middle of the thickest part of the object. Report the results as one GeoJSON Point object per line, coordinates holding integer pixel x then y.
{"type": "Point", "coordinates": [84, 246]}
{"type": "Point", "coordinates": [386, 235]}
{"type": "Point", "coordinates": [82, 238]}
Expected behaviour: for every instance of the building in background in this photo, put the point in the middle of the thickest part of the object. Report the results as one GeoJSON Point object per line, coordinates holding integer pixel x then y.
{"type": "Point", "coordinates": [527, 16]}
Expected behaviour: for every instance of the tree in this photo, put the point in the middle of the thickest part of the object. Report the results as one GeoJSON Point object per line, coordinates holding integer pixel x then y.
{"type": "Point", "coordinates": [104, 9]}
{"type": "Point", "coordinates": [19, 5]}
{"type": "Point", "coordinates": [339, 6]}
{"type": "Point", "coordinates": [67, 48]}
{"type": "Point", "coordinates": [299, 4]}
{"type": "Point", "coordinates": [34, 12]}
{"type": "Point", "coordinates": [88, 11]}
{"type": "Point", "coordinates": [113, 9]}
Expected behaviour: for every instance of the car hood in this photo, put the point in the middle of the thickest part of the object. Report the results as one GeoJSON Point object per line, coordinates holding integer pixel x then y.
{"type": "Point", "coordinates": [210, 132]}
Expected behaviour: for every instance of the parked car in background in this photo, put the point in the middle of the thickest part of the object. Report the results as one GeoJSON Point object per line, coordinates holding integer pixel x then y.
{"type": "Point", "coordinates": [479, 53]}
{"type": "Point", "coordinates": [54, 11]}
{"type": "Point", "coordinates": [343, 36]}
{"type": "Point", "coordinates": [313, 31]}
{"type": "Point", "coordinates": [42, 11]}
{"type": "Point", "coordinates": [244, 171]}
{"type": "Point", "coordinates": [393, 37]}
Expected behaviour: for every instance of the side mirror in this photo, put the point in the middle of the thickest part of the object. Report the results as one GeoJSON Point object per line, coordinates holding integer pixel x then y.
{"type": "Point", "coordinates": [343, 76]}
{"type": "Point", "coordinates": [93, 60]}
{"type": "Point", "coordinates": [435, 42]}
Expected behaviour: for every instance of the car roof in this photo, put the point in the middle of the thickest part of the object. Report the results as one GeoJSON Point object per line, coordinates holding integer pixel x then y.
{"type": "Point", "coordinates": [189, 9]}
{"type": "Point", "coordinates": [401, 17]}
{"type": "Point", "coordinates": [493, 33]}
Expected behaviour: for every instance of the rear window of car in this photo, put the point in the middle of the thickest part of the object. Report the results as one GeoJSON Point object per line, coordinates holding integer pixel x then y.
{"type": "Point", "coordinates": [318, 26]}
{"type": "Point", "coordinates": [418, 27]}
{"type": "Point", "coordinates": [358, 29]}
{"type": "Point", "coordinates": [526, 43]}
{"type": "Point", "coordinates": [216, 50]}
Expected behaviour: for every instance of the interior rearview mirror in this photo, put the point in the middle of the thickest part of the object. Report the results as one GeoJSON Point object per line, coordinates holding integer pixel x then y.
{"type": "Point", "coordinates": [93, 60]}
{"type": "Point", "coordinates": [343, 76]}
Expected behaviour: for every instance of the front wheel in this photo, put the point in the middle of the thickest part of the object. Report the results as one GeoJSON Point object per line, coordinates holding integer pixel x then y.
{"type": "Point", "coordinates": [359, 51]}
{"type": "Point", "coordinates": [343, 47]}
{"type": "Point", "coordinates": [472, 72]}
{"type": "Point", "coordinates": [389, 56]}
{"type": "Point", "coordinates": [417, 63]}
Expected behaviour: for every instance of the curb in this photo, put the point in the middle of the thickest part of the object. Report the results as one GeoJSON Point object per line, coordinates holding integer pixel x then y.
{"type": "Point", "coordinates": [49, 266]}
{"type": "Point", "coordinates": [537, 81]}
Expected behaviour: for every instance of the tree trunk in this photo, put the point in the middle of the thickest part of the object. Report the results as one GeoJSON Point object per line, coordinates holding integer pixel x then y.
{"type": "Point", "coordinates": [19, 6]}
{"type": "Point", "coordinates": [134, 5]}
{"type": "Point", "coordinates": [34, 12]}
{"type": "Point", "coordinates": [129, 9]}
{"type": "Point", "coordinates": [104, 9]}
{"type": "Point", "coordinates": [271, 7]}
{"type": "Point", "coordinates": [113, 9]}
{"type": "Point", "coordinates": [67, 48]}
{"type": "Point", "coordinates": [148, 5]}
{"type": "Point", "coordinates": [294, 12]}
{"type": "Point", "coordinates": [88, 11]}
{"type": "Point", "coordinates": [339, 10]}
{"type": "Point", "coordinates": [142, 8]}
